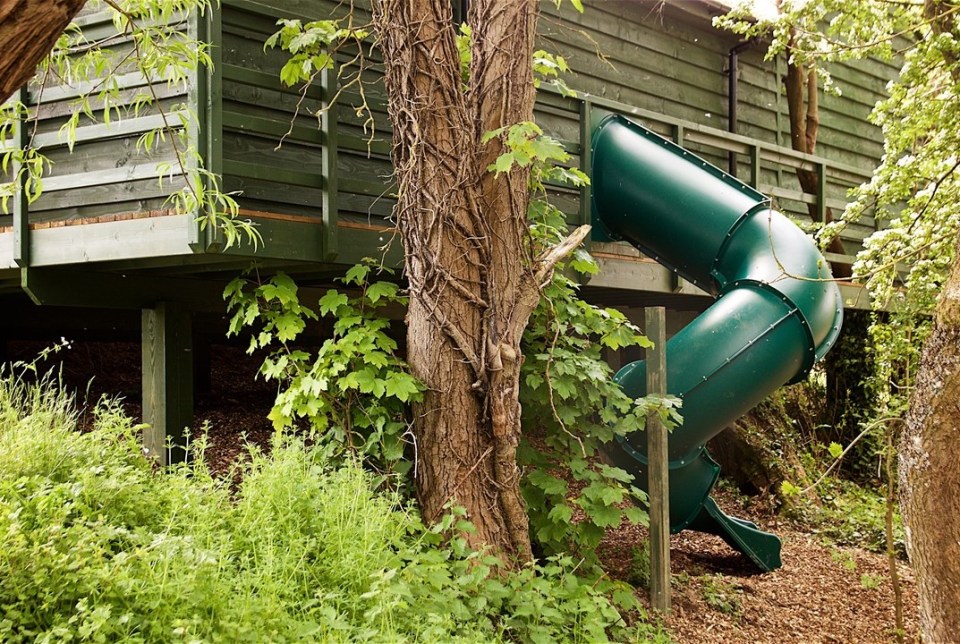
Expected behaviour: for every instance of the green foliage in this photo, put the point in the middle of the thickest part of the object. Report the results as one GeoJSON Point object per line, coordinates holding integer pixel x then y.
{"type": "Point", "coordinates": [914, 190]}
{"type": "Point", "coordinates": [526, 145]}
{"type": "Point", "coordinates": [870, 582]}
{"type": "Point", "coordinates": [849, 515]}
{"type": "Point", "coordinates": [721, 595]}
{"type": "Point", "coordinates": [547, 67]}
{"type": "Point", "coordinates": [465, 50]}
{"type": "Point", "coordinates": [354, 393]}
{"type": "Point", "coordinates": [639, 574]}
{"type": "Point", "coordinates": [845, 559]}
{"type": "Point", "coordinates": [97, 544]}
{"type": "Point", "coordinates": [310, 47]}
{"type": "Point", "coordinates": [835, 450]}
{"type": "Point", "coordinates": [577, 4]}
{"type": "Point", "coordinates": [151, 41]}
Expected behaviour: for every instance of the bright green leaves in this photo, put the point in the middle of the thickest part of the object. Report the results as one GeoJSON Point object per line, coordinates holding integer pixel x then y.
{"type": "Point", "coordinates": [577, 4]}
{"type": "Point", "coordinates": [547, 67]}
{"type": "Point", "coordinates": [835, 449]}
{"type": "Point", "coordinates": [547, 483]}
{"type": "Point", "coordinates": [330, 303]}
{"type": "Point", "coordinates": [309, 46]}
{"type": "Point", "coordinates": [402, 386]}
{"type": "Point", "coordinates": [913, 192]}
{"type": "Point", "coordinates": [354, 392]}
{"type": "Point", "coordinates": [573, 408]}
{"type": "Point", "coordinates": [570, 402]}
{"type": "Point", "coordinates": [465, 50]}
{"type": "Point", "coordinates": [525, 143]}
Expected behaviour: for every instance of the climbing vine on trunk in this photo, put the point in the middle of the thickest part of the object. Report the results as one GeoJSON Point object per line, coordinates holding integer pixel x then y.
{"type": "Point", "coordinates": [475, 274]}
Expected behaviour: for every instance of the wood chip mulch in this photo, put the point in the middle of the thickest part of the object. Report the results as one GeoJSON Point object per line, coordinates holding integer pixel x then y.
{"type": "Point", "coordinates": [823, 593]}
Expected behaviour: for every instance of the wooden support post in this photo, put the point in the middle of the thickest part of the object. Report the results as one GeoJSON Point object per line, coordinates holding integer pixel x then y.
{"type": "Point", "coordinates": [755, 167]}
{"type": "Point", "coordinates": [21, 206]}
{"type": "Point", "coordinates": [822, 192]}
{"type": "Point", "coordinates": [658, 464]}
{"type": "Point", "coordinates": [167, 380]}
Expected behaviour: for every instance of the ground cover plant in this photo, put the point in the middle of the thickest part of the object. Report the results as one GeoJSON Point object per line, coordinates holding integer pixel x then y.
{"type": "Point", "coordinates": [97, 544]}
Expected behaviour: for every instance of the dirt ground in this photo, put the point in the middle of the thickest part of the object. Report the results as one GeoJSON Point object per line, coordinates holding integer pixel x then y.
{"type": "Point", "coordinates": [823, 593]}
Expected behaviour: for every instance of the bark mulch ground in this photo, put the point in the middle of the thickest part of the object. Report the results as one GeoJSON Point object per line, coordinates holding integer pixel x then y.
{"type": "Point", "coordinates": [823, 593]}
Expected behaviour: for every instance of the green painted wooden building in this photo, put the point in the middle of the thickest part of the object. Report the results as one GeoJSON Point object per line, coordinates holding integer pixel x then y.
{"type": "Point", "coordinates": [103, 236]}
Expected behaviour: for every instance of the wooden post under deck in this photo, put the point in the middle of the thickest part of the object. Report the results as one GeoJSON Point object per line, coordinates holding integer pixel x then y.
{"type": "Point", "coordinates": [167, 341]}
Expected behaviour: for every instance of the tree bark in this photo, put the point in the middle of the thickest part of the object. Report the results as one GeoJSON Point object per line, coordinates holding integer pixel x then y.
{"type": "Point", "coordinates": [804, 112]}
{"type": "Point", "coordinates": [469, 261]}
{"type": "Point", "coordinates": [929, 463]}
{"type": "Point", "coordinates": [28, 31]}
{"type": "Point", "coordinates": [930, 472]}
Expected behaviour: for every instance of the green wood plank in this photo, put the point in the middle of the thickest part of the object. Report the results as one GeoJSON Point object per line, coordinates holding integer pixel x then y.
{"type": "Point", "coordinates": [167, 381]}
{"type": "Point", "coordinates": [20, 208]}
{"type": "Point", "coordinates": [355, 244]}
{"type": "Point", "coordinates": [131, 196]}
{"type": "Point", "coordinates": [238, 122]}
{"type": "Point", "coordinates": [290, 241]}
{"type": "Point", "coordinates": [270, 80]}
{"type": "Point", "coordinates": [113, 241]}
{"type": "Point", "coordinates": [266, 173]}
{"type": "Point", "coordinates": [132, 126]}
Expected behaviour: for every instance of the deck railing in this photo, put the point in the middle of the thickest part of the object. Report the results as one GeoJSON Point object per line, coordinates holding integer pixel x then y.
{"type": "Point", "coordinates": [767, 167]}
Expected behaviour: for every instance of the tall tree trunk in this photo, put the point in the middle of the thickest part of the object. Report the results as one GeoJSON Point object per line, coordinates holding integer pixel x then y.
{"type": "Point", "coordinates": [803, 107]}
{"type": "Point", "coordinates": [930, 472]}
{"type": "Point", "coordinates": [28, 31]}
{"type": "Point", "coordinates": [929, 464]}
{"type": "Point", "coordinates": [474, 279]}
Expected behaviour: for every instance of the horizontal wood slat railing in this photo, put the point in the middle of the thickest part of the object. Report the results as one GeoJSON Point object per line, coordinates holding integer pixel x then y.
{"type": "Point", "coordinates": [759, 158]}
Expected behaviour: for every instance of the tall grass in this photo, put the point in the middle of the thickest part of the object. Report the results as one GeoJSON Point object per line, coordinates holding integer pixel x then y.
{"type": "Point", "coordinates": [97, 544]}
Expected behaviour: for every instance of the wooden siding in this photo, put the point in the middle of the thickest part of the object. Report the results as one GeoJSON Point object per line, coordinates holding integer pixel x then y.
{"type": "Point", "coordinates": [105, 173]}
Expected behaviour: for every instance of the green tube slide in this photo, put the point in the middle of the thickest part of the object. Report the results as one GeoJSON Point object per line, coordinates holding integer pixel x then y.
{"type": "Point", "coordinates": [776, 313]}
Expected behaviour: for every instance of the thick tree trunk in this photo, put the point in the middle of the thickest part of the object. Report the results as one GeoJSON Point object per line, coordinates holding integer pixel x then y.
{"type": "Point", "coordinates": [474, 280]}
{"type": "Point", "coordinates": [28, 31]}
{"type": "Point", "coordinates": [804, 111]}
{"type": "Point", "coordinates": [930, 472]}
{"type": "Point", "coordinates": [929, 460]}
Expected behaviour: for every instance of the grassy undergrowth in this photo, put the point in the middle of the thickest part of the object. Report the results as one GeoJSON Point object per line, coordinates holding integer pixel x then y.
{"type": "Point", "coordinates": [849, 514]}
{"type": "Point", "coordinates": [97, 545]}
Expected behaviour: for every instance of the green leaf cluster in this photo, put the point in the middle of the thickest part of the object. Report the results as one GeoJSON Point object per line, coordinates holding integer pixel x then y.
{"type": "Point", "coordinates": [914, 190]}
{"type": "Point", "coordinates": [572, 408]}
{"type": "Point", "coordinates": [527, 145]}
{"type": "Point", "coordinates": [547, 68]}
{"type": "Point", "coordinates": [310, 47]}
{"type": "Point", "coordinates": [354, 392]}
